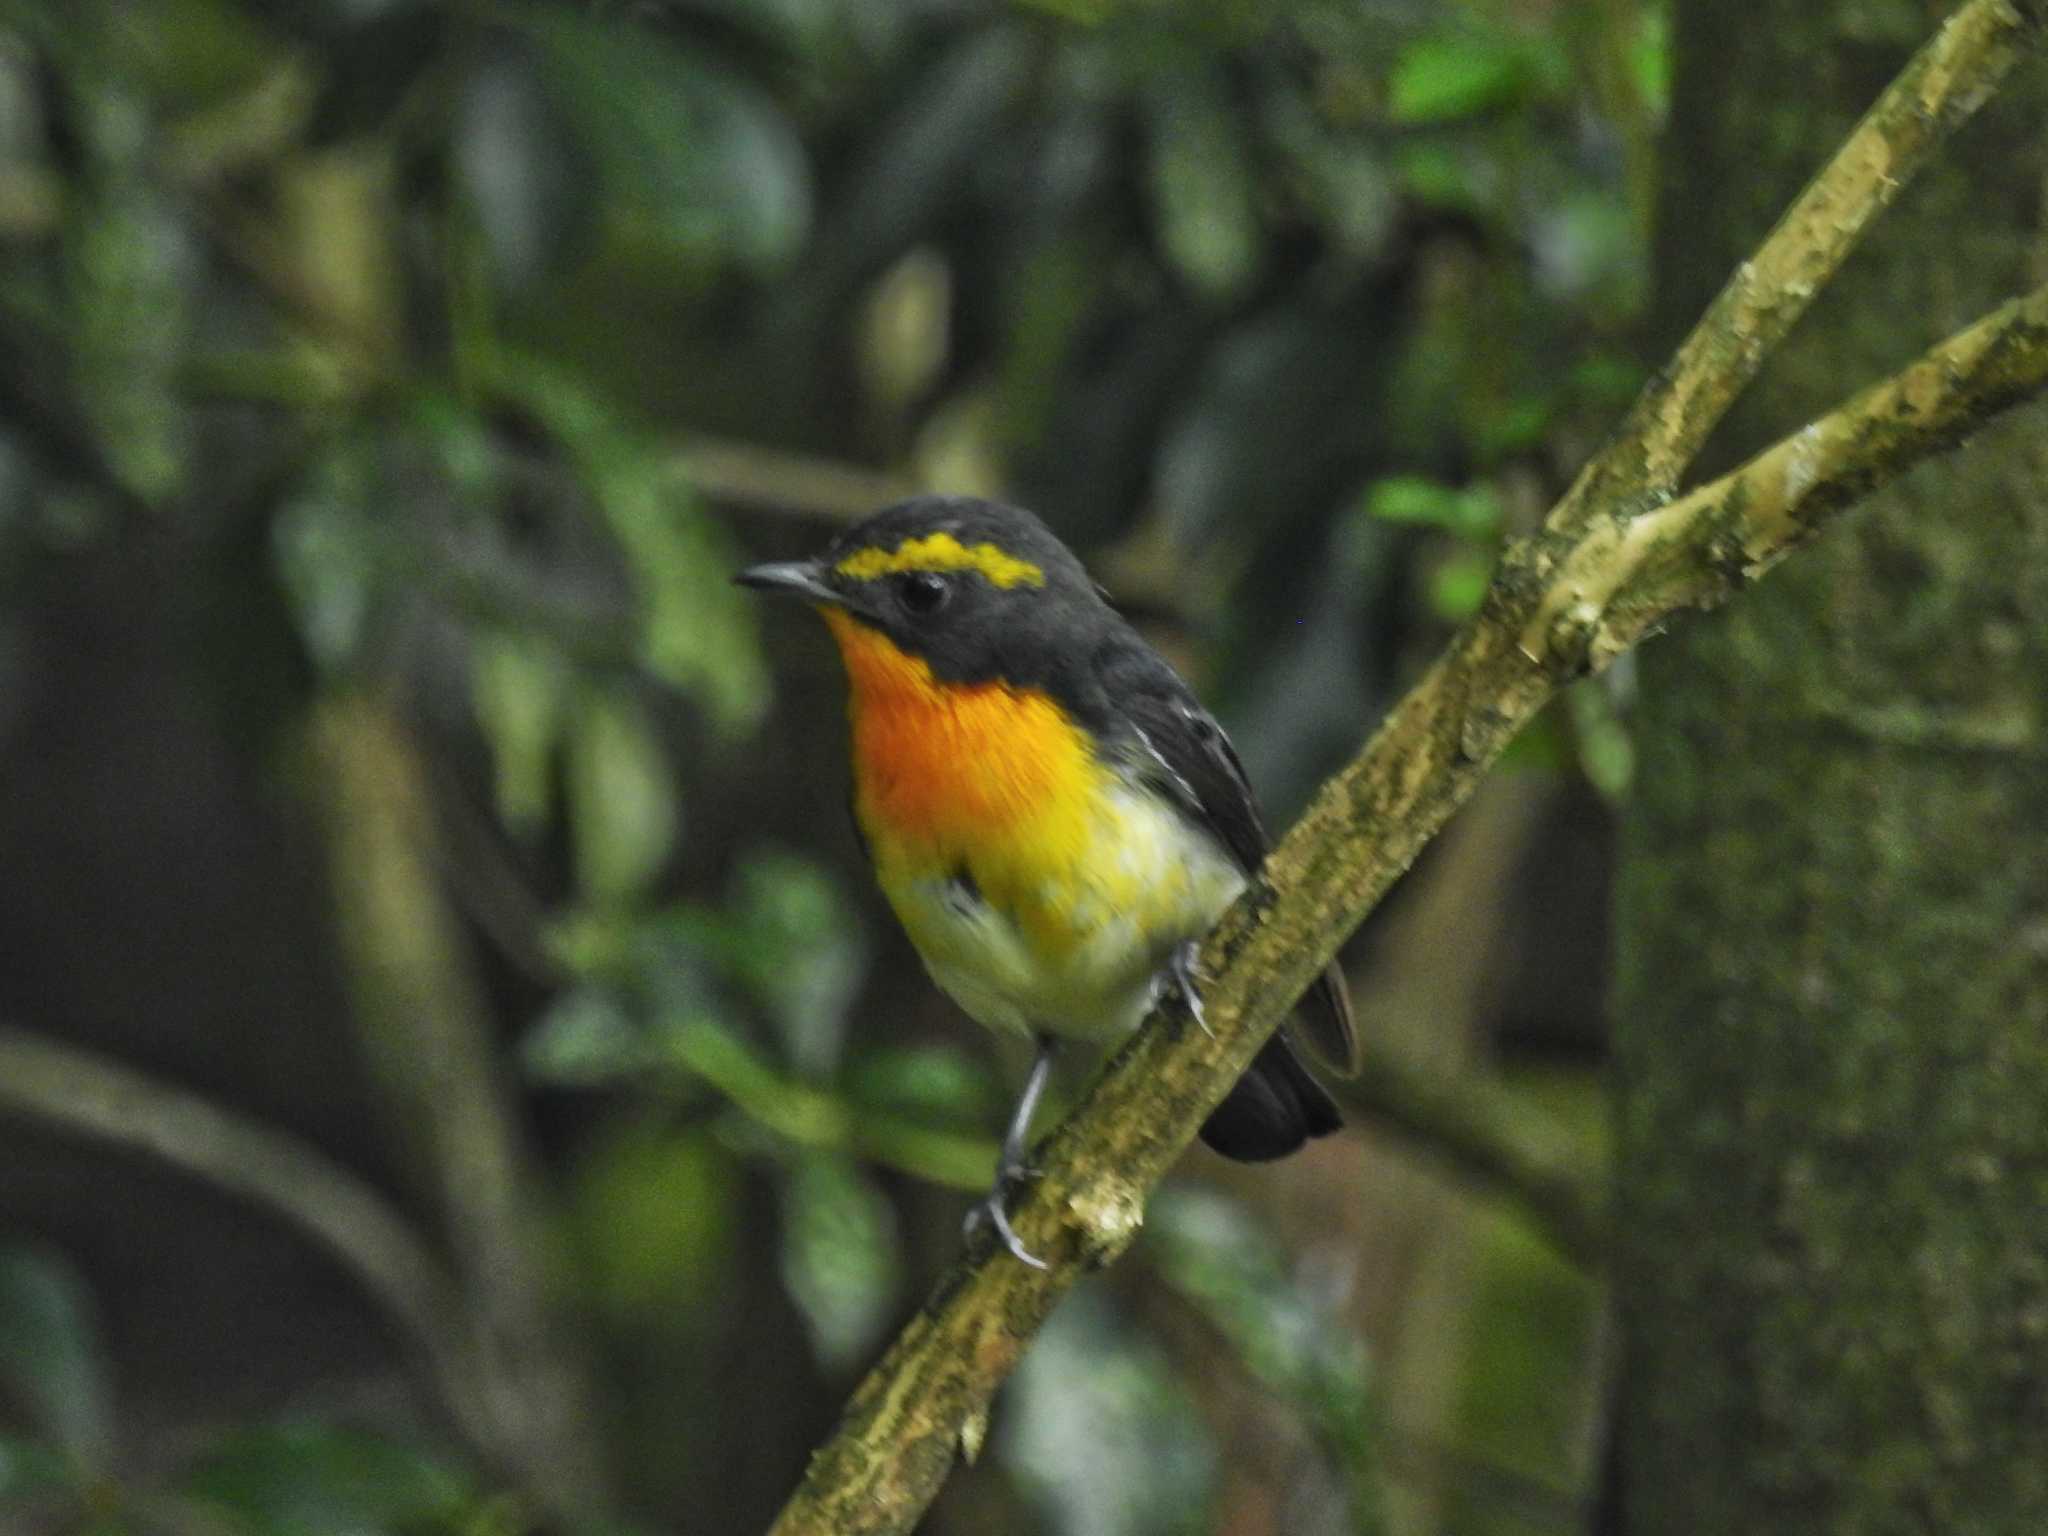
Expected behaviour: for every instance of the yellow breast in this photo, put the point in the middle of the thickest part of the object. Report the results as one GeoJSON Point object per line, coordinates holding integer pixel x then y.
{"type": "Point", "coordinates": [1040, 887]}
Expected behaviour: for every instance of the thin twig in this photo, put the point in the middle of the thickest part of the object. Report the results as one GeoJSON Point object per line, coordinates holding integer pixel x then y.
{"type": "Point", "coordinates": [771, 480]}
{"type": "Point", "coordinates": [84, 1094]}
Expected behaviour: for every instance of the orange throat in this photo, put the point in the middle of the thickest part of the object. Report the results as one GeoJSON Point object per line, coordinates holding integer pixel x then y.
{"type": "Point", "coordinates": [948, 773]}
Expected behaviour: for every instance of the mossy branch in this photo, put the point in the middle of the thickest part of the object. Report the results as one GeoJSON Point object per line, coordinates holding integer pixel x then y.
{"type": "Point", "coordinates": [1565, 603]}
{"type": "Point", "coordinates": [1623, 578]}
{"type": "Point", "coordinates": [1940, 88]}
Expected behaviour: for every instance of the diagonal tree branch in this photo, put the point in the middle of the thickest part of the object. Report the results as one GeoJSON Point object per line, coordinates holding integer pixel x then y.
{"type": "Point", "coordinates": [1589, 584]}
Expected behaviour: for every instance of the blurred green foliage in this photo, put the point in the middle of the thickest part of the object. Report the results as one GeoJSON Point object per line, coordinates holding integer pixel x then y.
{"type": "Point", "coordinates": [388, 327]}
{"type": "Point", "coordinates": [311, 1480]}
{"type": "Point", "coordinates": [51, 1362]}
{"type": "Point", "coordinates": [1289, 1336]}
{"type": "Point", "coordinates": [294, 1479]}
{"type": "Point", "coordinates": [1104, 1435]}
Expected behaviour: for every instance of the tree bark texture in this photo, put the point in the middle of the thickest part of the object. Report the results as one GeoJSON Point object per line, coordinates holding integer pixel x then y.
{"type": "Point", "coordinates": [1832, 996]}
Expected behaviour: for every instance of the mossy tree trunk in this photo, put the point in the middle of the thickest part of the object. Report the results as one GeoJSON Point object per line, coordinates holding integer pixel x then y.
{"type": "Point", "coordinates": [1832, 1004]}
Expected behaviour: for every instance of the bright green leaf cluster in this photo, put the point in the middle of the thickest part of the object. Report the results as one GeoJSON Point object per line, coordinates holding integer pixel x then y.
{"type": "Point", "coordinates": [1471, 512]}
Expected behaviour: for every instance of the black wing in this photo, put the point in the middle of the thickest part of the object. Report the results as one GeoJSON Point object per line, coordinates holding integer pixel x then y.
{"type": "Point", "coordinates": [1192, 761]}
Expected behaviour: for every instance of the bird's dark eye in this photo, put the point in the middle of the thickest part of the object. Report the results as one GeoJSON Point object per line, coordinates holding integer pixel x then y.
{"type": "Point", "coordinates": [922, 592]}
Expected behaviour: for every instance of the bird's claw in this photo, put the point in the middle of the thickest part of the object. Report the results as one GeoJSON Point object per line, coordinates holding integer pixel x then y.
{"type": "Point", "coordinates": [1180, 976]}
{"type": "Point", "coordinates": [992, 1209]}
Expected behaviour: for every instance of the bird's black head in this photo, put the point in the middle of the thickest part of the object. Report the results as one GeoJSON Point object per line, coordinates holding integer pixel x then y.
{"type": "Point", "coordinates": [979, 590]}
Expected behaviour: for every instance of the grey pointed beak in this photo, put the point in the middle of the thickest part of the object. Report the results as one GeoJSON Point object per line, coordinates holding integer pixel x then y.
{"type": "Point", "coordinates": [792, 578]}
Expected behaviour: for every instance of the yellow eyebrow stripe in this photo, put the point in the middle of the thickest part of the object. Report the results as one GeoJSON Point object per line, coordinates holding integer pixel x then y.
{"type": "Point", "coordinates": [941, 552]}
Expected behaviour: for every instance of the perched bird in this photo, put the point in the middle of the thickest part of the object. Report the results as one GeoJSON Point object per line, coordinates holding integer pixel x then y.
{"type": "Point", "coordinates": [1053, 816]}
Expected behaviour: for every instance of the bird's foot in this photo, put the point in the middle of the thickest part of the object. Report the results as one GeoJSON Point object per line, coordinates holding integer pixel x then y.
{"type": "Point", "coordinates": [993, 1209]}
{"type": "Point", "coordinates": [1178, 976]}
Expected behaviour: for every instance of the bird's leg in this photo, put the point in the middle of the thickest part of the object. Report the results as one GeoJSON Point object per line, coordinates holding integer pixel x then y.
{"type": "Point", "coordinates": [1011, 1171]}
{"type": "Point", "coordinates": [1178, 974]}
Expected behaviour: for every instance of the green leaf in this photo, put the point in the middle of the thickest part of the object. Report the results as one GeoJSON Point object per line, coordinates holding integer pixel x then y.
{"type": "Point", "coordinates": [1102, 1435]}
{"type": "Point", "coordinates": [1649, 59]}
{"type": "Point", "coordinates": [1411, 499]}
{"type": "Point", "coordinates": [585, 1039]}
{"type": "Point", "coordinates": [696, 627]}
{"type": "Point", "coordinates": [1542, 746]}
{"type": "Point", "coordinates": [1473, 512]}
{"type": "Point", "coordinates": [1445, 176]}
{"type": "Point", "coordinates": [690, 158]}
{"type": "Point", "coordinates": [673, 959]}
{"type": "Point", "coordinates": [1607, 753]}
{"type": "Point", "coordinates": [939, 1084]}
{"type": "Point", "coordinates": [532, 192]}
{"type": "Point", "coordinates": [1514, 426]}
{"type": "Point", "coordinates": [1438, 79]}
{"type": "Point", "coordinates": [1201, 183]}
{"type": "Point", "coordinates": [323, 544]}
{"type": "Point", "coordinates": [1208, 1248]}
{"type": "Point", "coordinates": [518, 688]}
{"type": "Point", "coordinates": [1606, 381]}
{"type": "Point", "coordinates": [53, 1362]}
{"type": "Point", "coordinates": [661, 964]}
{"type": "Point", "coordinates": [1458, 586]}
{"type": "Point", "coordinates": [319, 1480]}
{"type": "Point", "coordinates": [186, 54]}
{"type": "Point", "coordinates": [132, 268]}
{"type": "Point", "coordinates": [622, 797]}
{"type": "Point", "coordinates": [654, 1218]}
{"type": "Point", "coordinates": [795, 943]}
{"type": "Point", "coordinates": [1521, 1392]}
{"type": "Point", "coordinates": [839, 1256]}
{"type": "Point", "coordinates": [784, 935]}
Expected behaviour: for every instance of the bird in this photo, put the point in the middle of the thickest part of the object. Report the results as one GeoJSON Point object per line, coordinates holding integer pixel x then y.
{"type": "Point", "coordinates": [1052, 815]}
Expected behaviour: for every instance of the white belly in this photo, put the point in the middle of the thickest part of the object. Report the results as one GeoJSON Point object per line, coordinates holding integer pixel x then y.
{"type": "Point", "coordinates": [1074, 953]}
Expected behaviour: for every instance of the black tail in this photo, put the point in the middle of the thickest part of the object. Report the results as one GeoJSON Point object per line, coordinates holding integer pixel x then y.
{"type": "Point", "coordinates": [1275, 1108]}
